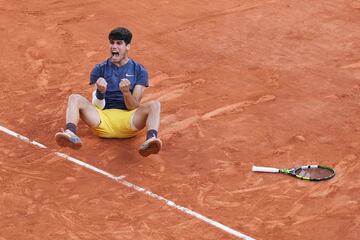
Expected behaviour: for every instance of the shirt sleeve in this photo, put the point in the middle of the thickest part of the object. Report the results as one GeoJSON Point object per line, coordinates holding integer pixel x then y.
{"type": "Point", "coordinates": [142, 76]}
{"type": "Point", "coordinates": [95, 74]}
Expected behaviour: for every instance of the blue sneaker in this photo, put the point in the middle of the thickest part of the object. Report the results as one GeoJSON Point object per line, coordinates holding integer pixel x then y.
{"type": "Point", "coordinates": [150, 146]}
{"type": "Point", "coordinates": [68, 139]}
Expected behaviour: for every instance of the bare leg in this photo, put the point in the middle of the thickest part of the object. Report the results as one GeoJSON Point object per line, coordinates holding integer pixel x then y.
{"type": "Point", "coordinates": [78, 106]}
{"type": "Point", "coordinates": [148, 115]}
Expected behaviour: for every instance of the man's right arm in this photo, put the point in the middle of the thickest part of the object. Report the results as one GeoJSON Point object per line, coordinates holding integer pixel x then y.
{"type": "Point", "coordinates": [98, 93]}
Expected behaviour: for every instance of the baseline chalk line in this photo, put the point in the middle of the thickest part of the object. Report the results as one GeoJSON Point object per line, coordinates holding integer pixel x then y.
{"type": "Point", "coordinates": [121, 179]}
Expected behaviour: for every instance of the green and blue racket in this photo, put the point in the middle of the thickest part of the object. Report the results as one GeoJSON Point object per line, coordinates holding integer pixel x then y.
{"type": "Point", "coordinates": [309, 173]}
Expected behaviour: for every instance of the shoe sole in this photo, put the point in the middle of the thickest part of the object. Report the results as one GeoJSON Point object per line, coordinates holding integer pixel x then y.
{"type": "Point", "coordinates": [63, 141]}
{"type": "Point", "coordinates": [153, 147]}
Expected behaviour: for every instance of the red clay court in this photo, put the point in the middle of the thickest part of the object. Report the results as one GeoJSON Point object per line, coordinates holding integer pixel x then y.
{"type": "Point", "coordinates": [272, 83]}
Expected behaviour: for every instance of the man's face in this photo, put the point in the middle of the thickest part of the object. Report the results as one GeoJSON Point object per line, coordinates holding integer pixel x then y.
{"type": "Point", "coordinates": [118, 50]}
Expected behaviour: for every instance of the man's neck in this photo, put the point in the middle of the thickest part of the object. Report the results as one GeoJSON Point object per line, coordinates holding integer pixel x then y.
{"type": "Point", "coordinates": [121, 62]}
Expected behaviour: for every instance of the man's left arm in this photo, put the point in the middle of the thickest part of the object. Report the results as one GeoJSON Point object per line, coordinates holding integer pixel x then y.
{"type": "Point", "coordinates": [133, 100]}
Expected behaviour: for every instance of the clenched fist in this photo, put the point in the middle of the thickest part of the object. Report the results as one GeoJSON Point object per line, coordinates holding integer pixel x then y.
{"type": "Point", "coordinates": [101, 85]}
{"type": "Point", "coordinates": [124, 85]}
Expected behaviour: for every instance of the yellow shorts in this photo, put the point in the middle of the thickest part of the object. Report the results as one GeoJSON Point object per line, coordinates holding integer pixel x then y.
{"type": "Point", "coordinates": [115, 123]}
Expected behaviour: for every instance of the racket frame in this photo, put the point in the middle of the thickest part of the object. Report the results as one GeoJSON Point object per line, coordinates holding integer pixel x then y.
{"type": "Point", "coordinates": [292, 171]}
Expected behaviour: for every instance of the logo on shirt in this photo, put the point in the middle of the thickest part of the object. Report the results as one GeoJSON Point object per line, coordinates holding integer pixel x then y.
{"type": "Point", "coordinates": [128, 75]}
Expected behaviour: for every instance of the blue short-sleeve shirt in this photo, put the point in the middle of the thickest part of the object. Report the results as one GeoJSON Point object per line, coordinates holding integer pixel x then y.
{"type": "Point", "coordinates": [133, 71]}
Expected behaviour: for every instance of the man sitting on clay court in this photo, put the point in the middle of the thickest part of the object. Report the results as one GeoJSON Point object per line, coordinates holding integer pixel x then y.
{"type": "Point", "coordinates": [118, 85]}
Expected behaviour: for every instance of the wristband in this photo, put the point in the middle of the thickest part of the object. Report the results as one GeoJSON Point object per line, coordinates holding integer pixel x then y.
{"type": "Point", "coordinates": [97, 102]}
{"type": "Point", "coordinates": [100, 95]}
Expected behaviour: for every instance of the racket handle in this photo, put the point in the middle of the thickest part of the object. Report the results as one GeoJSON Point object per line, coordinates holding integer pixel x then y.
{"type": "Point", "coordinates": [264, 169]}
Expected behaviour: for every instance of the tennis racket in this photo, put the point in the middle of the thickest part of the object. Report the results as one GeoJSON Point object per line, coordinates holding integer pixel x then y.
{"type": "Point", "coordinates": [309, 173]}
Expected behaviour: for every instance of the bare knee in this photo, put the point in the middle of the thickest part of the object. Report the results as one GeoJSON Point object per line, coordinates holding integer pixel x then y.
{"type": "Point", "coordinates": [151, 106]}
{"type": "Point", "coordinates": [154, 105]}
{"type": "Point", "coordinates": [75, 100]}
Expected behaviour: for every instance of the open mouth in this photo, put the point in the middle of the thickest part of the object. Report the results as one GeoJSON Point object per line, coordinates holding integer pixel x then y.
{"type": "Point", "coordinates": [115, 54]}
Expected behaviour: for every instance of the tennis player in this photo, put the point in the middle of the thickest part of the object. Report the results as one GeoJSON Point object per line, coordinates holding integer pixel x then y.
{"type": "Point", "coordinates": [115, 111]}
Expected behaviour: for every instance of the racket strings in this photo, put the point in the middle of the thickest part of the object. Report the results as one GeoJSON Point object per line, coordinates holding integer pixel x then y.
{"type": "Point", "coordinates": [314, 173]}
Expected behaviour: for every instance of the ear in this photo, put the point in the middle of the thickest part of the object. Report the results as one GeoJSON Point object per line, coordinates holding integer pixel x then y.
{"type": "Point", "coordinates": [128, 47]}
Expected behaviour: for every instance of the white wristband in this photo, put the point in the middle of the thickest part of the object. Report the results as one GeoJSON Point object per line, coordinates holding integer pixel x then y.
{"type": "Point", "coordinates": [97, 102]}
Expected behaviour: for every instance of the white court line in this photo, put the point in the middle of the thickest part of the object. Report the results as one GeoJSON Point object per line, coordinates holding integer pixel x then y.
{"type": "Point", "coordinates": [120, 179]}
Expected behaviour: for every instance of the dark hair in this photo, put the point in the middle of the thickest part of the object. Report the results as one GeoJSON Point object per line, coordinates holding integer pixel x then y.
{"type": "Point", "coordinates": [121, 33]}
